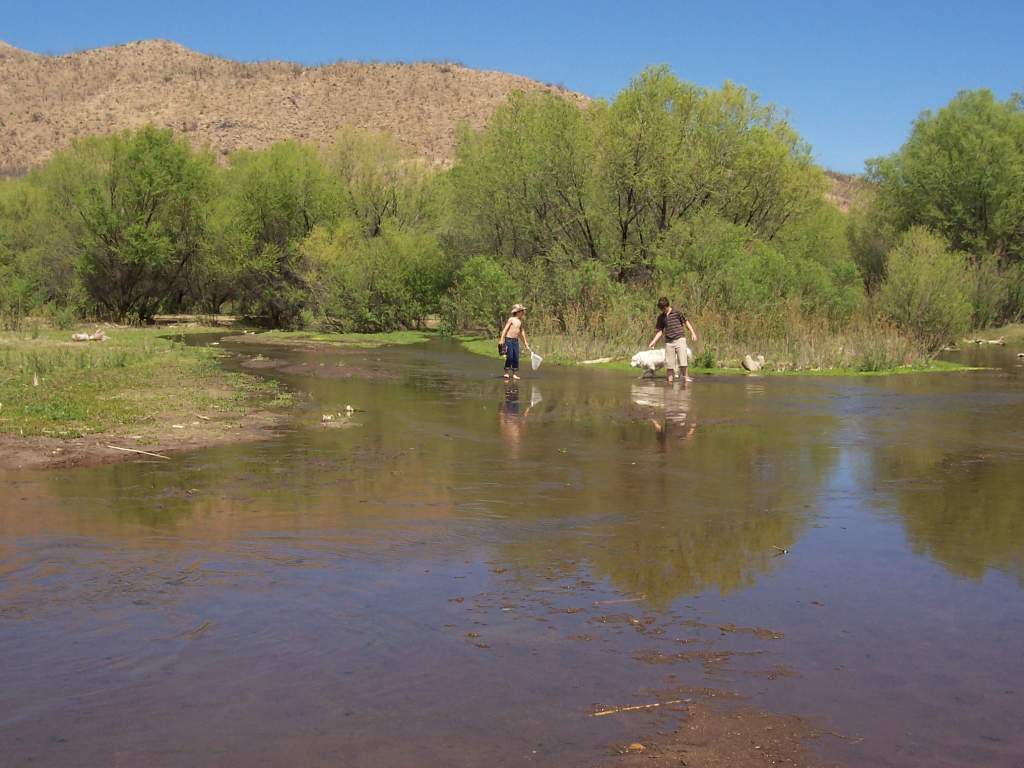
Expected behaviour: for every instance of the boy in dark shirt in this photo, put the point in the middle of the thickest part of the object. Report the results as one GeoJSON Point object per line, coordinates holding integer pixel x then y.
{"type": "Point", "coordinates": [673, 326]}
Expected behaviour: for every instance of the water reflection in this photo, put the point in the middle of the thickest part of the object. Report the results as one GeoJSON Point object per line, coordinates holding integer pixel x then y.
{"type": "Point", "coordinates": [147, 591]}
{"type": "Point", "coordinates": [512, 417]}
{"type": "Point", "coordinates": [670, 407]}
{"type": "Point", "coordinates": [969, 515]}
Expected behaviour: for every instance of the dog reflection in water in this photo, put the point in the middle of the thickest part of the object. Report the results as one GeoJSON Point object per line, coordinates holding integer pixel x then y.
{"type": "Point", "coordinates": [670, 408]}
{"type": "Point", "coordinates": [512, 416]}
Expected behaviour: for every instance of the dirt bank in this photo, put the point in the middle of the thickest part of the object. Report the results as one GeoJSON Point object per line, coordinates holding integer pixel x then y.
{"type": "Point", "coordinates": [164, 437]}
{"type": "Point", "coordinates": [713, 736]}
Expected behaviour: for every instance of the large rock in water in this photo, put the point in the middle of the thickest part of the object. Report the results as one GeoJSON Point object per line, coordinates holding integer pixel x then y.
{"type": "Point", "coordinates": [753, 364]}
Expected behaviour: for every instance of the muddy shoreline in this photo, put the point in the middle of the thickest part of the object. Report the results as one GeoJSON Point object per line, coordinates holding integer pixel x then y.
{"type": "Point", "coordinates": [168, 437]}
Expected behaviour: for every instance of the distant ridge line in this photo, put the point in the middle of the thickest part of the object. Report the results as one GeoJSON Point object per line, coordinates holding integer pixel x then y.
{"type": "Point", "coordinates": [48, 101]}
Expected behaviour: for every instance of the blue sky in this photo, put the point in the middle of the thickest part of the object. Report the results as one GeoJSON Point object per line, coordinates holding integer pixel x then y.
{"type": "Point", "coordinates": [852, 76]}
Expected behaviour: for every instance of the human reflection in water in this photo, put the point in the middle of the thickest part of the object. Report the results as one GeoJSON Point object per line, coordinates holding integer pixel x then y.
{"type": "Point", "coordinates": [512, 416]}
{"type": "Point", "coordinates": [671, 411]}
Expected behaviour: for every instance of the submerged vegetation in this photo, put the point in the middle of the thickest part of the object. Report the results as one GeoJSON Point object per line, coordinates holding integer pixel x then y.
{"type": "Point", "coordinates": [584, 214]}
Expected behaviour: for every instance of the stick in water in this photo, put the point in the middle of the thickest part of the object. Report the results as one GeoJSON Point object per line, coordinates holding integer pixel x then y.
{"type": "Point", "coordinates": [637, 708]}
{"type": "Point", "coordinates": [134, 450]}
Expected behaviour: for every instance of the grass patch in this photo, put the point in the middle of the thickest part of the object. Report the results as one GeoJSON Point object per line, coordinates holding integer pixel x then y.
{"type": "Point", "coordinates": [52, 386]}
{"type": "Point", "coordinates": [358, 340]}
{"type": "Point", "coordinates": [488, 348]}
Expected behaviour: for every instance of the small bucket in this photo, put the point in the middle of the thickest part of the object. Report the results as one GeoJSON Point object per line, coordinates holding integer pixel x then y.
{"type": "Point", "coordinates": [535, 360]}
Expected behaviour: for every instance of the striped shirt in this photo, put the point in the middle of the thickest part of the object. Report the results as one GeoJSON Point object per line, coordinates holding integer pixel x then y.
{"type": "Point", "coordinates": [673, 324]}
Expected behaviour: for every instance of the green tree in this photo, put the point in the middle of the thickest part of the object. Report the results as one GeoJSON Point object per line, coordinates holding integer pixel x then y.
{"type": "Point", "coordinates": [277, 197]}
{"type": "Point", "coordinates": [133, 206]}
{"type": "Point", "coordinates": [522, 186]}
{"type": "Point", "coordinates": [961, 173]}
{"type": "Point", "coordinates": [382, 181]}
{"type": "Point", "coordinates": [480, 297]}
{"type": "Point", "coordinates": [371, 284]}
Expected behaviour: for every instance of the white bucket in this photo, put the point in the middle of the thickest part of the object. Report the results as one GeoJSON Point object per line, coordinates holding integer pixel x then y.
{"type": "Point", "coordinates": [535, 360]}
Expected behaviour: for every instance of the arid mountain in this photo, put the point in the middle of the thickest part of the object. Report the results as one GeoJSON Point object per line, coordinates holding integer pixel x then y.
{"type": "Point", "coordinates": [845, 189]}
{"type": "Point", "coordinates": [48, 101]}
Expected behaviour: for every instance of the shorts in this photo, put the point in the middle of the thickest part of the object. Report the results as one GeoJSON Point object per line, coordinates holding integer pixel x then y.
{"type": "Point", "coordinates": [676, 354]}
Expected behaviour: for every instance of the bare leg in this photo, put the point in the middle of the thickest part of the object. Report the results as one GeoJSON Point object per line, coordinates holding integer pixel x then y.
{"type": "Point", "coordinates": [685, 377]}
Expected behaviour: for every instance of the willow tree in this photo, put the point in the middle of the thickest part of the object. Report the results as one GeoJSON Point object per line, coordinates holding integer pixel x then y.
{"type": "Point", "coordinates": [275, 198]}
{"type": "Point", "coordinates": [606, 182]}
{"type": "Point", "coordinates": [133, 205]}
{"type": "Point", "coordinates": [523, 187]}
{"type": "Point", "coordinates": [382, 182]}
{"type": "Point", "coordinates": [961, 173]}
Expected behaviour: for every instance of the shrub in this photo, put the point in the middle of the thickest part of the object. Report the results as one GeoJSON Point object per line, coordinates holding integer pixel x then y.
{"type": "Point", "coordinates": [990, 292]}
{"type": "Point", "coordinates": [924, 291]}
{"type": "Point", "coordinates": [374, 284]}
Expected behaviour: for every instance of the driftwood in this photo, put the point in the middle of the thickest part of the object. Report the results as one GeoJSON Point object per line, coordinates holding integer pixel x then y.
{"type": "Point", "coordinates": [637, 707]}
{"type": "Point", "coordinates": [1001, 341]}
{"type": "Point", "coordinates": [97, 335]}
{"type": "Point", "coordinates": [136, 450]}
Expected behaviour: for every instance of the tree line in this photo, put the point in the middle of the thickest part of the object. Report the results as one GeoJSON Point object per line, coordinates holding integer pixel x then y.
{"type": "Point", "coordinates": [708, 195]}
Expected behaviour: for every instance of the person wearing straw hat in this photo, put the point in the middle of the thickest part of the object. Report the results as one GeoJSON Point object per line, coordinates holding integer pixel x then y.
{"type": "Point", "coordinates": [509, 341]}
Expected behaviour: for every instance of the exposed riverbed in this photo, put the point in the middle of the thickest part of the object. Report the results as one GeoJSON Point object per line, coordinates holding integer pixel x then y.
{"type": "Point", "coordinates": [467, 571]}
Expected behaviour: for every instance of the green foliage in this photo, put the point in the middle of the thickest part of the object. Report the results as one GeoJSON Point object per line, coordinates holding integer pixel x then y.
{"type": "Point", "coordinates": [481, 296]}
{"type": "Point", "coordinates": [990, 290]}
{"type": "Point", "coordinates": [924, 291]}
{"type": "Point", "coordinates": [133, 206]}
{"type": "Point", "coordinates": [871, 237]}
{"type": "Point", "coordinates": [584, 214]}
{"type": "Point", "coordinates": [276, 198]}
{"type": "Point", "coordinates": [368, 285]}
{"type": "Point", "coordinates": [961, 173]}
{"type": "Point", "coordinates": [36, 265]}
{"type": "Point", "coordinates": [382, 182]}
{"type": "Point", "coordinates": [522, 186]}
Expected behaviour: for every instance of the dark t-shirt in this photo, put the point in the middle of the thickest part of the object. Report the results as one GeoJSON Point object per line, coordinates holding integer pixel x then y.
{"type": "Point", "coordinates": [673, 324]}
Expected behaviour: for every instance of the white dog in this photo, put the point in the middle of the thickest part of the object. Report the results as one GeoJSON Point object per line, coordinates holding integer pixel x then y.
{"type": "Point", "coordinates": [653, 359]}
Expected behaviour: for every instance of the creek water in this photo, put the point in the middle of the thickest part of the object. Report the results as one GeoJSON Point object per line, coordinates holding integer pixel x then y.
{"type": "Point", "coordinates": [464, 571]}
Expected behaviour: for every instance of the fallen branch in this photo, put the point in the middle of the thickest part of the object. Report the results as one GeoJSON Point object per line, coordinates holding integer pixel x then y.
{"type": "Point", "coordinates": [637, 707]}
{"type": "Point", "coordinates": [135, 450]}
{"type": "Point", "coordinates": [621, 600]}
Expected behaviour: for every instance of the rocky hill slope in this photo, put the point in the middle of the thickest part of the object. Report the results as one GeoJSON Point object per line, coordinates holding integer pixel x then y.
{"type": "Point", "coordinates": [48, 101]}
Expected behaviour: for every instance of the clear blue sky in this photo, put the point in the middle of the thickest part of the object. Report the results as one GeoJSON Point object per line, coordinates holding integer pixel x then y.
{"type": "Point", "coordinates": [852, 76]}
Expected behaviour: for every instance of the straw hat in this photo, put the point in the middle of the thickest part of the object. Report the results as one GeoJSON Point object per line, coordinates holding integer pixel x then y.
{"type": "Point", "coordinates": [518, 308]}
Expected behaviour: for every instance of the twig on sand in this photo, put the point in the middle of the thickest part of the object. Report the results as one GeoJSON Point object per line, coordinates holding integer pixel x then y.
{"type": "Point", "coordinates": [781, 550]}
{"type": "Point", "coordinates": [637, 707]}
{"type": "Point", "coordinates": [135, 450]}
{"type": "Point", "coordinates": [621, 600]}
{"type": "Point", "coordinates": [204, 418]}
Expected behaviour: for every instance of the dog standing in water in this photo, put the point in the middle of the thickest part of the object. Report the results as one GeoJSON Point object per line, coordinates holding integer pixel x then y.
{"type": "Point", "coordinates": [509, 338]}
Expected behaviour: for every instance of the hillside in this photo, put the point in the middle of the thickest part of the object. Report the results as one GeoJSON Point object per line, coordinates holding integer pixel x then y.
{"type": "Point", "coordinates": [845, 189]}
{"type": "Point", "coordinates": [48, 101]}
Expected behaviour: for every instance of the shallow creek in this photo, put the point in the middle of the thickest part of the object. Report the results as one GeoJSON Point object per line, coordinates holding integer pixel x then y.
{"type": "Point", "coordinates": [461, 572]}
